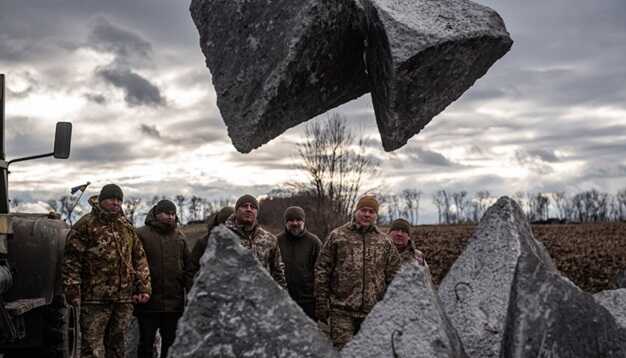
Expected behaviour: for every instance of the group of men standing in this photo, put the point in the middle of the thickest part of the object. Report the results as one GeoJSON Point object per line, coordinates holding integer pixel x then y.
{"type": "Point", "coordinates": [112, 271]}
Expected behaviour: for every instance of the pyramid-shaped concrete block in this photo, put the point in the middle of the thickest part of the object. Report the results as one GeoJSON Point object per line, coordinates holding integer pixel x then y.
{"type": "Point", "coordinates": [236, 309]}
{"type": "Point", "coordinates": [615, 302]}
{"type": "Point", "coordinates": [276, 64]}
{"type": "Point", "coordinates": [507, 299]}
{"type": "Point", "coordinates": [422, 55]}
{"type": "Point", "coordinates": [408, 322]}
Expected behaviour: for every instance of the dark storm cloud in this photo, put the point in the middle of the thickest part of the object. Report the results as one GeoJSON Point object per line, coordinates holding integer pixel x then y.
{"type": "Point", "coordinates": [108, 153]}
{"type": "Point", "coordinates": [125, 44]}
{"type": "Point", "coordinates": [185, 134]}
{"type": "Point", "coordinates": [422, 156]}
{"type": "Point", "coordinates": [138, 90]}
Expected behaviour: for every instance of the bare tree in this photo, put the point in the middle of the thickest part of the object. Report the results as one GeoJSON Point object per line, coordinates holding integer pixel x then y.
{"type": "Point", "coordinates": [130, 208]}
{"type": "Point", "coordinates": [538, 206]}
{"type": "Point", "coordinates": [561, 203]}
{"type": "Point", "coordinates": [195, 208]}
{"type": "Point", "coordinates": [180, 201]}
{"type": "Point", "coordinates": [442, 202]}
{"type": "Point", "coordinates": [482, 197]}
{"type": "Point", "coordinates": [519, 198]}
{"type": "Point", "coordinates": [460, 203]}
{"type": "Point", "coordinates": [412, 204]}
{"type": "Point", "coordinates": [336, 164]}
{"type": "Point", "coordinates": [591, 206]}
{"type": "Point", "coordinates": [620, 197]}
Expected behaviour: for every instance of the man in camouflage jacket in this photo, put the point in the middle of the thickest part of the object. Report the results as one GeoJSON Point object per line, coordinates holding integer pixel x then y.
{"type": "Point", "coordinates": [356, 264]}
{"type": "Point", "coordinates": [262, 243]}
{"type": "Point", "coordinates": [400, 234]}
{"type": "Point", "coordinates": [104, 271]}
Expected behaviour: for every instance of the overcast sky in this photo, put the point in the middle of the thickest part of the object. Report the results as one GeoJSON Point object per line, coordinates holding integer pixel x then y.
{"type": "Point", "coordinates": [130, 76]}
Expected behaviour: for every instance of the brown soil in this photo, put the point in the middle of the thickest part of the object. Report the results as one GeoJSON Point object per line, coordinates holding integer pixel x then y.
{"type": "Point", "coordinates": [590, 255]}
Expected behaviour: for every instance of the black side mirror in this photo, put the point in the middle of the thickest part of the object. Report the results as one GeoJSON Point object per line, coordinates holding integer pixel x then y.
{"type": "Point", "coordinates": [62, 140]}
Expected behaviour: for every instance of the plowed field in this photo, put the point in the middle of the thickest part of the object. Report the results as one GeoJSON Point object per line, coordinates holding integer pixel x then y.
{"type": "Point", "coordinates": [590, 255]}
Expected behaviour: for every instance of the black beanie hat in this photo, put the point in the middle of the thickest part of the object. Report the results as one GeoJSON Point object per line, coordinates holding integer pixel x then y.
{"type": "Point", "coordinates": [223, 215]}
{"type": "Point", "coordinates": [247, 199]}
{"type": "Point", "coordinates": [294, 213]}
{"type": "Point", "coordinates": [165, 206]}
{"type": "Point", "coordinates": [401, 224]}
{"type": "Point", "coordinates": [111, 191]}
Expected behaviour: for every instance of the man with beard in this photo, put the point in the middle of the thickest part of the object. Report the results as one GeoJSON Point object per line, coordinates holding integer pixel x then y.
{"type": "Point", "coordinates": [104, 271]}
{"type": "Point", "coordinates": [172, 276]}
{"type": "Point", "coordinates": [299, 249]}
{"type": "Point", "coordinates": [262, 243]}
{"type": "Point", "coordinates": [199, 247]}
{"type": "Point", "coordinates": [400, 234]}
{"type": "Point", "coordinates": [356, 264]}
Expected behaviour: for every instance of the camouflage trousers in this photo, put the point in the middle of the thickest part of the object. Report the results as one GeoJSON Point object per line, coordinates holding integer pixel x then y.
{"type": "Point", "coordinates": [343, 326]}
{"type": "Point", "coordinates": [103, 328]}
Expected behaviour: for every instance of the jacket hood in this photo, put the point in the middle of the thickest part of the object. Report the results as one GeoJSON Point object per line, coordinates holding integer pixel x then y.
{"type": "Point", "coordinates": [152, 221]}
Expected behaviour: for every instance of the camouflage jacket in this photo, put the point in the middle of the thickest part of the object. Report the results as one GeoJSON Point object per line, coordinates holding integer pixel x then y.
{"type": "Point", "coordinates": [264, 246]}
{"type": "Point", "coordinates": [104, 260]}
{"type": "Point", "coordinates": [354, 269]}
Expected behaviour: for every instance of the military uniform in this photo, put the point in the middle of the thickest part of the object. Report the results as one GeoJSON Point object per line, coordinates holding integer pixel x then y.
{"type": "Point", "coordinates": [103, 266]}
{"type": "Point", "coordinates": [264, 246]}
{"type": "Point", "coordinates": [351, 275]}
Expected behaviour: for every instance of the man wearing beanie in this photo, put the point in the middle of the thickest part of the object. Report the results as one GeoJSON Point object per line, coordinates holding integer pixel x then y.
{"type": "Point", "coordinates": [214, 221]}
{"type": "Point", "coordinates": [172, 276]}
{"type": "Point", "coordinates": [299, 249]}
{"type": "Point", "coordinates": [105, 270]}
{"type": "Point", "coordinates": [356, 264]}
{"type": "Point", "coordinates": [400, 234]}
{"type": "Point", "coordinates": [263, 244]}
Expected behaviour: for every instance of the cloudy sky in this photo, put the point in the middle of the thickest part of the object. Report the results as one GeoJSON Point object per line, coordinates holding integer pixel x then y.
{"type": "Point", "coordinates": [130, 76]}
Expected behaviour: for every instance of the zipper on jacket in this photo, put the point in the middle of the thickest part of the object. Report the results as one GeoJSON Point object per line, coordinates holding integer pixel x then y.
{"type": "Point", "coordinates": [363, 276]}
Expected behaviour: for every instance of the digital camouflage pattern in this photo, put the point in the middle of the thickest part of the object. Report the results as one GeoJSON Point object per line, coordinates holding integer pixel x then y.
{"type": "Point", "coordinates": [104, 328]}
{"type": "Point", "coordinates": [343, 327]}
{"type": "Point", "coordinates": [104, 260]}
{"type": "Point", "coordinates": [264, 246]}
{"type": "Point", "coordinates": [353, 271]}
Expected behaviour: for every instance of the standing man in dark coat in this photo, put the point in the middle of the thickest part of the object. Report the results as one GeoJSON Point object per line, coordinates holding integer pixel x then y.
{"type": "Point", "coordinates": [171, 273]}
{"type": "Point", "coordinates": [299, 249]}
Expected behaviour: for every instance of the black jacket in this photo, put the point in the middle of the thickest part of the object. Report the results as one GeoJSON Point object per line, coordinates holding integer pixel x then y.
{"type": "Point", "coordinates": [170, 267]}
{"type": "Point", "coordinates": [299, 254]}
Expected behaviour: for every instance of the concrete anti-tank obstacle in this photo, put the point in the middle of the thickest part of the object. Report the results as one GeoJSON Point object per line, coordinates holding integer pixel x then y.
{"type": "Point", "coordinates": [408, 322]}
{"type": "Point", "coordinates": [422, 55]}
{"type": "Point", "coordinates": [236, 309]}
{"type": "Point", "coordinates": [278, 63]}
{"type": "Point", "coordinates": [615, 302]}
{"type": "Point", "coordinates": [506, 298]}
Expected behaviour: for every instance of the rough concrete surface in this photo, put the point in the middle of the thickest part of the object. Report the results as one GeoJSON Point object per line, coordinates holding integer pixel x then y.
{"type": "Point", "coordinates": [506, 298]}
{"type": "Point", "coordinates": [278, 63]}
{"type": "Point", "coordinates": [408, 322]}
{"type": "Point", "coordinates": [236, 309]}
{"type": "Point", "coordinates": [422, 55]}
{"type": "Point", "coordinates": [615, 302]}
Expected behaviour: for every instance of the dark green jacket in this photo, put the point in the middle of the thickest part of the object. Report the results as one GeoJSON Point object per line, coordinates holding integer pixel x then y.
{"type": "Point", "coordinates": [299, 254]}
{"type": "Point", "coordinates": [170, 267]}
